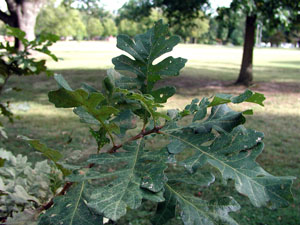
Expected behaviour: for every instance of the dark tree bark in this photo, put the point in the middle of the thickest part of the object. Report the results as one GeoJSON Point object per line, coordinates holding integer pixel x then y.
{"type": "Point", "coordinates": [22, 15]}
{"type": "Point", "coordinates": [246, 72]}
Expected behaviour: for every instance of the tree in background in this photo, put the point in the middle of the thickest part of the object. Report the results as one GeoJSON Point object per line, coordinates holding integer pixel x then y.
{"type": "Point", "coordinates": [92, 8]}
{"type": "Point", "coordinates": [131, 23]}
{"type": "Point", "coordinates": [271, 12]}
{"type": "Point", "coordinates": [145, 23]}
{"type": "Point", "coordinates": [94, 28]}
{"type": "Point", "coordinates": [181, 22]}
{"type": "Point", "coordinates": [211, 36]}
{"type": "Point", "coordinates": [294, 33]}
{"type": "Point", "coordinates": [110, 28]}
{"type": "Point", "coordinates": [183, 12]}
{"type": "Point", "coordinates": [230, 26]}
{"type": "Point", "coordinates": [22, 14]}
{"type": "Point", "coordinates": [276, 38]}
{"type": "Point", "coordinates": [61, 21]}
{"type": "Point", "coordinates": [201, 27]}
{"type": "Point", "coordinates": [128, 27]}
{"type": "Point", "coordinates": [193, 30]}
{"type": "Point", "coordinates": [134, 10]}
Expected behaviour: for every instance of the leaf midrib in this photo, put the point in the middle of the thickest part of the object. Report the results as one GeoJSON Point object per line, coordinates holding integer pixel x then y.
{"type": "Point", "coordinates": [186, 201]}
{"type": "Point", "coordinates": [226, 165]}
{"type": "Point", "coordinates": [131, 174]}
{"type": "Point", "coordinates": [77, 203]}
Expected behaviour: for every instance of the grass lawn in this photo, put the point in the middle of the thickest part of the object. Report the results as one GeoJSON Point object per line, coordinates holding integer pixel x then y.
{"type": "Point", "coordinates": [210, 69]}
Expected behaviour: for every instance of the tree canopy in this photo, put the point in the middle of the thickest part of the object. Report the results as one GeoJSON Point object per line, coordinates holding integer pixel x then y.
{"type": "Point", "coordinates": [94, 28]}
{"type": "Point", "coordinates": [177, 12]}
{"type": "Point", "coordinates": [61, 21]}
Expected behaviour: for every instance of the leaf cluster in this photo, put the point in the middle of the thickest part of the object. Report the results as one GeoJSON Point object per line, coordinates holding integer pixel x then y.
{"type": "Point", "coordinates": [22, 185]}
{"type": "Point", "coordinates": [21, 62]}
{"type": "Point", "coordinates": [127, 170]}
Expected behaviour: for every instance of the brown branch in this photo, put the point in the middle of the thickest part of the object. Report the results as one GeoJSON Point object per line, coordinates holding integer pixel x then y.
{"type": "Point", "coordinates": [62, 192]}
{"type": "Point", "coordinates": [11, 5]}
{"type": "Point", "coordinates": [142, 134]}
{"type": "Point", "coordinates": [50, 203]}
{"type": "Point", "coordinates": [5, 18]}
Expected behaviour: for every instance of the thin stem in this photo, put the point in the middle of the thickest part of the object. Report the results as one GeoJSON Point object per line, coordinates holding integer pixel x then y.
{"type": "Point", "coordinates": [93, 112]}
{"type": "Point", "coordinates": [50, 203]}
{"type": "Point", "coordinates": [109, 134]}
{"type": "Point", "coordinates": [144, 127]}
{"type": "Point", "coordinates": [140, 135]}
{"type": "Point", "coordinates": [62, 192]}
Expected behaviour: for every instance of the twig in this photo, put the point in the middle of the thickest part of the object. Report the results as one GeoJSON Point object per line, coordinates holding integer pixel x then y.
{"type": "Point", "coordinates": [50, 203]}
{"type": "Point", "coordinates": [140, 135]}
{"type": "Point", "coordinates": [62, 192]}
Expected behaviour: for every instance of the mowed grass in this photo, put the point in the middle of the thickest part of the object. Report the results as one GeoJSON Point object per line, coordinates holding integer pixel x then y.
{"type": "Point", "coordinates": [210, 69]}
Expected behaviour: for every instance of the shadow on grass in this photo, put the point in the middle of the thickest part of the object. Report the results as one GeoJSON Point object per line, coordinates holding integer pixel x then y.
{"type": "Point", "coordinates": [62, 133]}
{"type": "Point", "coordinates": [190, 82]}
{"type": "Point", "coordinates": [35, 88]}
{"type": "Point", "coordinates": [294, 63]}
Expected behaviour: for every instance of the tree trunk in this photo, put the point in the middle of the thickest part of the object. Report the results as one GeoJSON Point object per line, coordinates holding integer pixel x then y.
{"type": "Point", "coordinates": [28, 15]}
{"type": "Point", "coordinates": [246, 72]}
{"type": "Point", "coordinates": [22, 15]}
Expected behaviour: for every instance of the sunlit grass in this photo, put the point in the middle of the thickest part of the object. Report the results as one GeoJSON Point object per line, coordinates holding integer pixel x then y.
{"type": "Point", "coordinates": [203, 60]}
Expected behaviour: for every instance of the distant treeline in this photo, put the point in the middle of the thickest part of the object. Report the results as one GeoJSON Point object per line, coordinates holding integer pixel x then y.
{"type": "Point", "coordinates": [225, 27]}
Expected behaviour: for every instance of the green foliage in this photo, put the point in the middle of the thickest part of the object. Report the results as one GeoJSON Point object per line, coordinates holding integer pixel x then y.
{"type": "Point", "coordinates": [110, 28]}
{"type": "Point", "coordinates": [147, 22]}
{"type": "Point", "coordinates": [145, 49]}
{"type": "Point", "coordinates": [200, 27]}
{"type": "Point", "coordinates": [127, 172]}
{"type": "Point", "coordinates": [128, 27]}
{"type": "Point", "coordinates": [94, 28]}
{"type": "Point", "coordinates": [21, 62]}
{"type": "Point", "coordinates": [14, 62]}
{"type": "Point", "coordinates": [194, 28]}
{"type": "Point", "coordinates": [61, 21]}
{"type": "Point", "coordinates": [177, 12]}
{"type": "Point", "coordinates": [230, 25]}
{"type": "Point", "coordinates": [49, 153]}
{"type": "Point", "coordinates": [137, 163]}
{"type": "Point", "coordinates": [74, 208]}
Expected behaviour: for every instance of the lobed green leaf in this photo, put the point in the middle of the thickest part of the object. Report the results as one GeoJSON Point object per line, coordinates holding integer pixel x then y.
{"type": "Point", "coordinates": [71, 209]}
{"type": "Point", "coordinates": [197, 211]}
{"type": "Point", "coordinates": [140, 175]}
{"type": "Point", "coordinates": [145, 48]}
